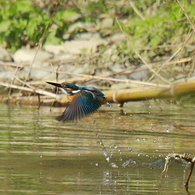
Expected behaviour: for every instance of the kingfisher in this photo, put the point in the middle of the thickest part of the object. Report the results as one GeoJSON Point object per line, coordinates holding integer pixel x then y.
{"type": "Point", "coordinates": [82, 101]}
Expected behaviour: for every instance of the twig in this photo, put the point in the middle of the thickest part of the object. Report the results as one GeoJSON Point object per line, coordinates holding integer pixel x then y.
{"type": "Point", "coordinates": [184, 60]}
{"type": "Point", "coordinates": [186, 15]}
{"type": "Point", "coordinates": [31, 64]}
{"type": "Point", "coordinates": [169, 59]}
{"type": "Point", "coordinates": [136, 10]}
{"type": "Point", "coordinates": [136, 52]}
{"type": "Point", "coordinates": [39, 91]}
{"type": "Point", "coordinates": [100, 77]}
{"type": "Point", "coordinates": [177, 156]}
{"type": "Point", "coordinates": [12, 81]}
{"type": "Point", "coordinates": [190, 173]}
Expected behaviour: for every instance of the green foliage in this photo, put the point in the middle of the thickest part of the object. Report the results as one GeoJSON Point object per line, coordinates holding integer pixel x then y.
{"type": "Point", "coordinates": [22, 23]}
{"type": "Point", "coordinates": [163, 24]}
{"type": "Point", "coordinates": [97, 7]}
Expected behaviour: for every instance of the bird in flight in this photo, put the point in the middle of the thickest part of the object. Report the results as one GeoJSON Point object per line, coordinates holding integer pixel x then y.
{"type": "Point", "coordinates": [82, 101]}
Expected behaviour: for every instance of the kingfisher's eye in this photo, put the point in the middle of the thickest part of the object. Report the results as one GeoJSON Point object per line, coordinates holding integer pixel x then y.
{"type": "Point", "coordinates": [63, 85]}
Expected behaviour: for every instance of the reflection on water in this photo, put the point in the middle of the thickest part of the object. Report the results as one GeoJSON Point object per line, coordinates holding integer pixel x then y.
{"type": "Point", "coordinates": [110, 152]}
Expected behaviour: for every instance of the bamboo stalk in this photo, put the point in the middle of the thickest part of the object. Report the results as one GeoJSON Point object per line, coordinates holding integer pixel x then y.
{"type": "Point", "coordinates": [120, 96]}
{"type": "Point", "coordinates": [176, 90]}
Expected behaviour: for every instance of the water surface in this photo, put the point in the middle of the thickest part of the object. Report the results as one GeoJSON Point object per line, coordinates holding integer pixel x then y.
{"type": "Point", "coordinates": [113, 151]}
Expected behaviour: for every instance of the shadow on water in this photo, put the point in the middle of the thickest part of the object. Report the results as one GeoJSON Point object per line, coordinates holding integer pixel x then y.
{"type": "Point", "coordinates": [111, 152]}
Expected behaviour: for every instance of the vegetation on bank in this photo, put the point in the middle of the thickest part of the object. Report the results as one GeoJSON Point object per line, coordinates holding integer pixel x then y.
{"type": "Point", "coordinates": [149, 24]}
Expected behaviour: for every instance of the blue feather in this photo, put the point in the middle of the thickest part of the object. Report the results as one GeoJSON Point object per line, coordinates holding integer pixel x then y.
{"type": "Point", "coordinates": [84, 104]}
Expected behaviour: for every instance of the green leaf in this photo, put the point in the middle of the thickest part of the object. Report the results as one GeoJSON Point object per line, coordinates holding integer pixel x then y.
{"type": "Point", "coordinates": [65, 15]}
{"type": "Point", "coordinates": [31, 28]}
{"type": "Point", "coordinates": [23, 6]}
{"type": "Point", "coordinates": [4, 25]}
{"type": "Point", "coordinates": [52, 39]}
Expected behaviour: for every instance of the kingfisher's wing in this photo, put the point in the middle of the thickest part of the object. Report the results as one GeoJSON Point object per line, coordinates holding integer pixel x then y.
{"type": "Point", "coordinates": [84, 104]}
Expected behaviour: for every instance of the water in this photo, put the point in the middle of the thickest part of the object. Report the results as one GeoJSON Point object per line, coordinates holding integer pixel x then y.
{"type": "Point", "coordinates": [111, 152]}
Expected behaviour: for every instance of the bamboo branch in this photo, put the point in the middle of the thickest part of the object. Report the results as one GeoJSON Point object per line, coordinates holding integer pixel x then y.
{"type": "Point", "coordinates": [176, 90]}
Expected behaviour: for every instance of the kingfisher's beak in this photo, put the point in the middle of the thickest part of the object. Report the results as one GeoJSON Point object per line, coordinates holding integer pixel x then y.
{"type": "Point", "coordinates": [55, 84]}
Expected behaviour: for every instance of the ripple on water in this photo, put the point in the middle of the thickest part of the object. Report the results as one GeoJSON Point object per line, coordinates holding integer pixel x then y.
{"type": "Point", "coordinates": [110, 152]}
